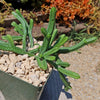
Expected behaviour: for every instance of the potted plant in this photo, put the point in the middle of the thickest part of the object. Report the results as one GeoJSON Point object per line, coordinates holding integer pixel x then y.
{"type": "Point", "coordinates": [46, 54]}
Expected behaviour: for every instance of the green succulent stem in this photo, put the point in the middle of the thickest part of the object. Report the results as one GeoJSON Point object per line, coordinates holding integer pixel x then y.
{"type": "Point", "coordinates": [50, 49]}
{"type": "Point", "coordinates": [77, 46]}
{"type": "Point", "coordinates": [65, 82]}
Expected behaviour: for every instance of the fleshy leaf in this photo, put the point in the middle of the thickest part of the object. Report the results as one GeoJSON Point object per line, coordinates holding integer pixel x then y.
{"type": "Point", "coordinates": [68, 73]}
{"type": "Point", "coordinates": [66, 83]}
{"type": "Point", "coordinates": [51, 58]}
{"type": "Point", "coordinates": [42, 63]}
{"type": "Point", "coordinates": [51, 51]}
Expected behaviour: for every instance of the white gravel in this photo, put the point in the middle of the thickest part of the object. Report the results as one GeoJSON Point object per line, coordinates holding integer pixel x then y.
{"type": "Point", "coordinates": [24, 67]}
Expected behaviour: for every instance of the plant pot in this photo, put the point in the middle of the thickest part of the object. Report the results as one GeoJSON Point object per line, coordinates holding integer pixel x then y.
{"type": "Point", "coordinates": [14, 88]}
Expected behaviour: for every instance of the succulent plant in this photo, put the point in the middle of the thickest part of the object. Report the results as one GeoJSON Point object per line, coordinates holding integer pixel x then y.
{"type": "Point", "coordinates": [50, 49]}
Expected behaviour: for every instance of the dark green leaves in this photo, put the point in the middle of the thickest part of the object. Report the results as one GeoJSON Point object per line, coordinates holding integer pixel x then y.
{"type": "Point", "coordinates": [10, 47]}
{"type": "Point", "coordinates": [24, 29]}
{"type": "Point", "coordinates": [41, 63]}
{"type": "Point", "coordinates": [90, 40]}
{"type": "Point", "coordinates": [68, 73]}
{"type": "Point", "coordinates": [17, 28]}
{"type": "Point", "coordinates": [51, 20]}
{"type": "Point", "coordinates": [15, 38]}
{"type": "Point", "coordinates": [44, 31]}
{"type": "Point", "coordinates": [48, 33]}
{"type": "Point", "coordinates": [77, 46]}
{"type": "Point", "coordinates": [65, 71]}
{"type": "Point", "coordinates": [51, 51]}
{"type": "Point", "coordinates": [10, 40]}
{"type": "Point", "coordinates": [63, 64]}
{"type": "Point", "coordinates": [59, 62]}
{"type": "Point", "coordinates": [66, 83]}
{"type": "Point", "coordinates": [44, 45]}
{"type": "Point", "coordinates": [53, 36]}
{"type": "Point", "coordinates": [51, 58]}
{"type": "Point", "coordinates": [30, 32]}
{"type": "Point", "coordinates": [61, 40]}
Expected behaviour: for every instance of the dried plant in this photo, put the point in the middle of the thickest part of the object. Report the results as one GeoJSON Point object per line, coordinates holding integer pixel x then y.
{"type": "Point", "coordinates": [67, 10]}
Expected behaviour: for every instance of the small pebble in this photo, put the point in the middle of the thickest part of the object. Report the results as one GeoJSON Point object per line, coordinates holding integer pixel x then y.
{"type": "Point", "coordinates": [43, 78]}
{"type": "Point", "coordinates": [20, 72]}
{"type": "Point", "coordinates": [12, 58]}
{"type": "Point", "coordinates": [18, 64]}
{"type": "Point", "coordinates": [36, 83]}
{"type": "Point", "coordinates": [24, 56]}
{"type": "Point", "coordinates": [3, 68]}
{"type": "Point", "coordinates": [40, 43]}
{"type": "Point", "coordinates": [11, 68]}
{"type": "Point", "coordinates": [2, 60]}
{"type": "Point", "coordinates": [33, 77]}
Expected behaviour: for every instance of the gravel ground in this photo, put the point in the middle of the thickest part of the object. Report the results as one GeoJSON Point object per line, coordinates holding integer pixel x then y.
{"type": "Point", "coordinates": [87, 64]}
{"type": "Point", "coordinates": [24, 67]}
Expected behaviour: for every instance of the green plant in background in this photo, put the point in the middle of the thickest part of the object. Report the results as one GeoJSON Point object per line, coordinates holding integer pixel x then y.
{"type": "Point", "coordinates": [50, 49]}
{"type": "Point", "coordinates": [78, 36]}
{"type": "Point", "coordinates": [5, 9]}
{"type": "Point", "coordinates": [93, 24]}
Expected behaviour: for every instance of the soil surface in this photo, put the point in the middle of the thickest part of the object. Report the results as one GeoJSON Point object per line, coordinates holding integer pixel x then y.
{"type": "Point", "coordinates": [87, 64]}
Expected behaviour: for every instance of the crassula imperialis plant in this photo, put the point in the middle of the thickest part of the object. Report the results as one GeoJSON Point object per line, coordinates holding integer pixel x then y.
{"type": "Point", "coordinates": [49, 52]}
{"type": "Point", "coordinates": [68, 9]}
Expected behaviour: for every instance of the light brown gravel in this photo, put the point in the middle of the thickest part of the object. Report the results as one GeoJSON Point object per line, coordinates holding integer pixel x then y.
{"type": "Point", "coordinates": [87, 64]}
